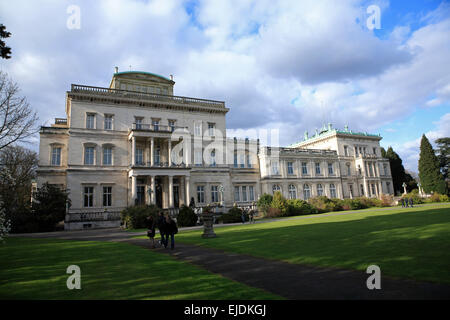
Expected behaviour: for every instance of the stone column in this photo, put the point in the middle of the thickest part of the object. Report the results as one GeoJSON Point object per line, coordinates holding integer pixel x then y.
{"type": "Point", "coordinates": [365, 187]}
{"type": "Point", "coordinates": [153, 186]}
{"type": "Point", "coordinates": [152, 151]}
{"type": "Point", "coordinates": [170, 191]}
{"type": "Point", "coordinates": [133, 190]}
{"type": "Point", "coordinates": [169, 152]}
{"type": "Point", "coordinates": [133, 150]}
{"type": "Point", "coordinates": [187, 194]}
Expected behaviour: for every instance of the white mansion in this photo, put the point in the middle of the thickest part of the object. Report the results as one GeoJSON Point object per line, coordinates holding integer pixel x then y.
{"type": "Point", "coordinates": [136, 143]}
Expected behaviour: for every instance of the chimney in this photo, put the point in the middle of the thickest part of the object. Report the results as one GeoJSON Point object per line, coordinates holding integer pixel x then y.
{"type": "Point", "coordinates": [116, 69]}
{"type": "Point", "coordinates": [171, 77]}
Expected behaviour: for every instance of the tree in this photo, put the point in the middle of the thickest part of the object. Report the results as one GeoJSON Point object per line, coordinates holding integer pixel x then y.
{"type": "Point", "coordinates": [17, 120]}
{"type": "Point", "coordinates": [443, 154]}
{"type": "Point", "coordinates": [17, 169]}
{"type": "Point", "coordinates": [430, 174]}
{"type": "Point", "coordinates": [49, 206]}
{"type": "Point", "coordinates": [397, 169]}
{"type": "Point", "coordinates": [5, 51]}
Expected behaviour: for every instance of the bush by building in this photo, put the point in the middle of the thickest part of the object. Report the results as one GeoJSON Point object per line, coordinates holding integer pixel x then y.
{"type": "Point", "coordinates": [186, 217]}
{"type": "Point", "coordinates": [135, 217]}
{"type": "Point", "coordinates": [233, 215]}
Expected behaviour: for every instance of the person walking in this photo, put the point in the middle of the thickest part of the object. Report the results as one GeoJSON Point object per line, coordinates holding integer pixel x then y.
{"type": "Point", "coordinates": [403, 202]}
{"type": "Point", "coordinates": [151, 230]}
{"type": "Point", "coordinates": [162, 228]}
{"type": "Point", "coordinates": [411, 202]}
{"type": "Point", "coordinates": [251, 216]}
{"type": "Point", "coordinates": [243, 216]}
{"type": "Point", "coordinates": [171, 230]}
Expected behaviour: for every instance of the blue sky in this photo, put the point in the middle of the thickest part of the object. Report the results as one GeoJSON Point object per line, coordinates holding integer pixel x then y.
{"type": "Point", "coordinates": [289, 65]}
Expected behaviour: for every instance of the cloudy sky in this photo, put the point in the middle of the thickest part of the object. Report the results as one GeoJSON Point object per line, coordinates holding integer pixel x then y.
{"type": "Point", "coordinates": [292, 65]}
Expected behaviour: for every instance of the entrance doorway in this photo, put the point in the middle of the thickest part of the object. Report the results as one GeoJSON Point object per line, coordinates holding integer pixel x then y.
{"type": "Point", "coordinates": [158, 192]}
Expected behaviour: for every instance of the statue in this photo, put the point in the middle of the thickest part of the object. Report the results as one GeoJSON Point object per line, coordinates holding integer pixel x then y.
{"type": "Point", "coordinates": [404, 188]}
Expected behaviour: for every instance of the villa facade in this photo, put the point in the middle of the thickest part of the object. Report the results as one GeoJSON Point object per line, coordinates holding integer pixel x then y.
{"type": "Point", "coordinates": [135, 142]}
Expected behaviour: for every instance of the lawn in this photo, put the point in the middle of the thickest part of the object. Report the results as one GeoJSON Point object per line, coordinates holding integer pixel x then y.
{"type": "Point", "coordinates": [404, 242]}
{"type": "Point", "coordinates": [36, 269]}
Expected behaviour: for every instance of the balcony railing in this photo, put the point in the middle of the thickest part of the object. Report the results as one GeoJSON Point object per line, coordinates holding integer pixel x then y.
{"type": "Point", "coordinates": [155, 127]}
{"type": "Point", "coordinates": [159, 165]}
{"type": "Point", "coordinates": [93, 216]}
{"type": "Point", "coordinates": [61, 121]}
{"type": "Point", "coordinates": [76, 88]}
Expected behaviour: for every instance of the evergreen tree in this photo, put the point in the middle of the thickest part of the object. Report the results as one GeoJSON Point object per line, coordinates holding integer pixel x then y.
{"type": "Point", "coordinates": [5, 52]}
{"type": "Point", "coordinates": [443, 154]}
{"type": "Point", "coordinates": [430, 175]}
{"type": "Point", "coordinates": [397, 169]}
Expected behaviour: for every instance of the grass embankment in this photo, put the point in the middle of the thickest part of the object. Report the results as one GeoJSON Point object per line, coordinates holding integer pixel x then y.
{"type": "Point", "coordinates": [404, 242]}
{"type": "Point", "coordinates": [36, 269]}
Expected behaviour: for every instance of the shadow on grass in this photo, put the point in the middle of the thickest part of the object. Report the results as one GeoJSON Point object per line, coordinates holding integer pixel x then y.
{"type": "Point", "coordinates": [412, 243]}
{"type": "Point", "coordinates": [36, 269]}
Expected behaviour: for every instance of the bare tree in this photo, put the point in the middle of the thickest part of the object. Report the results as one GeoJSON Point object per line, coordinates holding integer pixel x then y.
{"type": "Point", "coordinates": [17, 120]}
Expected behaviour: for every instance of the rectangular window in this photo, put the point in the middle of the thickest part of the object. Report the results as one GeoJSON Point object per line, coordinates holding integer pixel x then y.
{"type": "Point", "coordinates": [373, 189]}
{"type": "Point", "coordinates": [330, 168]}
{"type": "Point", "coordinates": [107, 196]}
{"type": "Point", "coordinates": [249, 163]}
{"type": "Point", "coordinates": [346, 151]}
{"type": "Point", "coordinates": [304, 168]}
{"type": "Point", "coordinates": [237, 196]}
{"type": "Point", "coordinates": [107, 156]}
{"type": "Point", "coordinates": [374, 151]}
{"type": "Point", "coordinates": [200, 194]}
{"type": "Point", "coordinates": [244, 193]}
{"type": "Point", "coordinates": [108, 122]}
{"type": "Point", "coordinates": [198, 158]}
{"type": "Point", "coordinates": [317, 167]}
{"type": "Point", "coordinates": [198, 129]}
{"type": "Point", "coordinates": [157, 155]}
{"type": "Point", "coordinates": [275, 167]}
{"type": "Point", "coordinates": [290, 168]}
{"type": "Point", "coordinates": [235, 162]}
{"type": "Point", "coordinates": [138, 122]}
{"type": "Point", "coordinates": [140, 199]}
{"type": "Point", "coordinates": [140, 156]}
{"type": "Point", "coordinates": [241, 161]}
{"type": "Point", "coordinates": [251, 193]}
{"type": "Point", "coordinates": [172, 125]}
{"type": "Point", "coordinates": [56, 156]}
{"type": "Point", "coordinates": [155, 124]}
{"type": "Point", "coordinates": [388, 186]}
{"type": "Point", "coordinates": [348, 170]}
{"type": "Point", "coordinates": [211, 127]}
{"type": "Point", "coordinates": [214, 194]}
{"type": "Point", "coordinates": [89, 155]}
{"type": "Point", "coordinates": [90, 121]}
{"type": "Point", "coordinates": [88, 197]}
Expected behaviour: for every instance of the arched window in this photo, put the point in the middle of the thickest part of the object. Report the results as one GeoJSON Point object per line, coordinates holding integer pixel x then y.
{"type": "Point", "coordinates": [276, 188]}
{"type": "Point", "coordinates": [332, 191]}
{"type": "Point", "coordinates": [319, 190]}
{"type": "Point", "coordinates": [292, 192]}
{"type": "Point", "coordinates": [306, 192]}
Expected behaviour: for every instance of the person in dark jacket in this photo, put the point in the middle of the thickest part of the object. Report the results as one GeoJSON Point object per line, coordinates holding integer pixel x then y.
{"type": "Point", "coordinates": [162, 228]}
{"type": "Point", "coordinates": [151, 230]}
{"type": "Point", "coordinates": [403, 202]}
{"type": "Point", "coordinates": [411, 202]}
{"type": "Point", "coordinates": [172, 230]}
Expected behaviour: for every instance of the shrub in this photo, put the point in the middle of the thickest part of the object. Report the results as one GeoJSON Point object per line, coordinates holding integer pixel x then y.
{"type": "Point", "coordinates": [386, 200]}
{"type": "Point", "coordinates": [135, 217]}
{"type": "Point", "coordinates": [279, 202]}
{"type": "Point", "coordinates": [324, 204]}
{"type": "Point", "coordinates": [296, 207]}
{"type": "Point", "coordinates": [234, 215]}
{"type": "Point", "coordinates": [353, 204]}
{"type": "Point", "coordinates": [264, 203]}
{"type": "Point", "coordinates": [186, 217]}
{"type": "Point", "coordinates": [274, 213]}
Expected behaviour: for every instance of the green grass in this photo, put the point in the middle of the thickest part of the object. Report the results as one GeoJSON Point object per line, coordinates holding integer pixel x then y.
{"type": "Point", "coordinates": [36, 269]}
{"type": "Point", "coordinates": [407, 243]}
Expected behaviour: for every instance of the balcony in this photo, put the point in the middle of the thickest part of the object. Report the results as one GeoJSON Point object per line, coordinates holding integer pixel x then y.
{"type": "Point", "coordinates": [155, 127]}
{"type": "Point", "coordinates": [141, 96]}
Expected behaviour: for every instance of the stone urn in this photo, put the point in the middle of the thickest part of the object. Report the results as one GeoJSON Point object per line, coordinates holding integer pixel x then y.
{"type": "Point", "coordinates": [208, 223]}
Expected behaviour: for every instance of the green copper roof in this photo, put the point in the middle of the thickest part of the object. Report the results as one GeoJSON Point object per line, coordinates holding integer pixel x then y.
{"type": "Point", "coordinates": [143, 72]}
{"type": "Point", "coordinates": [325, 132]}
